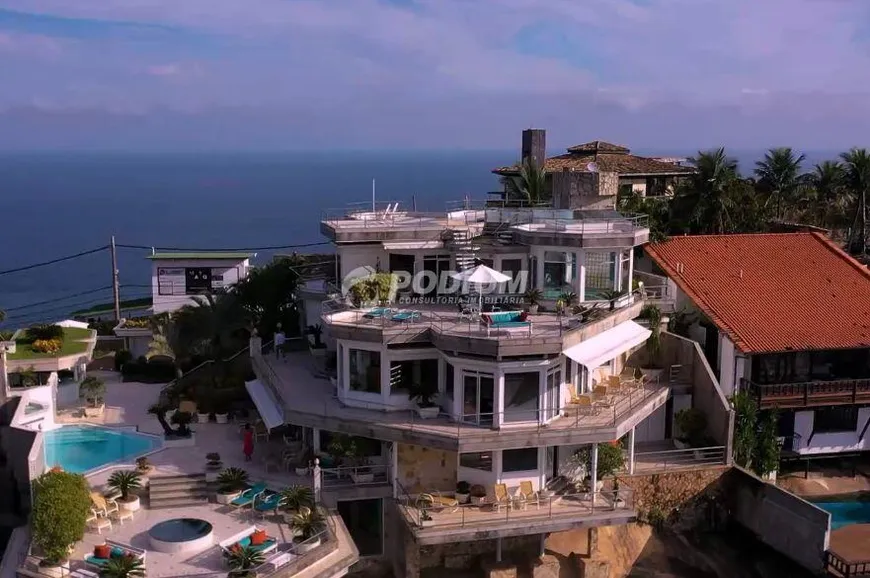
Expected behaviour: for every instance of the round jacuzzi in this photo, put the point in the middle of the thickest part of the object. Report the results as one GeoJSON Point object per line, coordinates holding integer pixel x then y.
{"type": "Point", "coordinates": [181, 535]}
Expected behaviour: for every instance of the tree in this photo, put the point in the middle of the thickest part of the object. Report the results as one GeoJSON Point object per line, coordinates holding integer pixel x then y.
{"type": "Point", "coordinates": [530, 185]}
{"type": "Point", "coordinates": [857, 173]}
{"type": "Point", "coordinates": [268, 295]}
{"type": "Point", "coordinates": [61, 504]}
{"type": "Point", "coordinates": [702, 203]}
{"type": "Point", "coordinates": [745, 427]}
{"type": "Point", "coordinates": [765, 457]}
{"type": "Point", "coordinates": [93, 389]}
{"type": "Point", "coordinates": [830, 199]}
{"type": "Point", "coordinates": [213, 325]}
{"type": "Point", "coordinates": [123, 567]}
{"type": "Point", "coordinates": [778, 176]}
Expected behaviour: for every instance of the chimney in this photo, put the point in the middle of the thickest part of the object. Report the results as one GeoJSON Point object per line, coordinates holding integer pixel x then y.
{"type": "Point", "coordinates": [535, 145]}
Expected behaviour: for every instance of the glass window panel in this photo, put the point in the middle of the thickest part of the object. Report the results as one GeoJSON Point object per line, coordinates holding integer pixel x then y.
{"type": "Point", "coordinates": [600, 275]}
{"type": "Point", "coordinates": [521, 396]}
{"type": "Point", "coordinates": [521, 460]}
{"type": "Point", "coordinates": [365, 370]}
{"type": "Point", "coordinates": [477, 461]}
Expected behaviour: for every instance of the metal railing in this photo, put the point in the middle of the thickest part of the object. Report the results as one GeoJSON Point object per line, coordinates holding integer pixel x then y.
{"type": "Point", "coordinates": [355, 475]}
{"type": "Point", "coordinates": [831, 391]}
{"type": "Point", "coordinates": [678, 459]}
{"type": "Point", "coordinates": [584, 226]}
{"type": "Point", "coordinates": [838, 566]}
{"type": "Point", "coordinates": [445, 512]}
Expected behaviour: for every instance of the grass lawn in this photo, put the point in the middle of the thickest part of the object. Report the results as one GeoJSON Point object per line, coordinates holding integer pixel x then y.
{"type": "Point", "coordinates": [104, 307]}
{"type": "Point", "coordinates": [73, 344]}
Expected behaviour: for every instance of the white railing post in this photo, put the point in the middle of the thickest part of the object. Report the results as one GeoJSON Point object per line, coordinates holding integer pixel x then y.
{"type": "Point", "coordinates": [318, 481]}
{"type": "Point", "coordinates": [631, 451]}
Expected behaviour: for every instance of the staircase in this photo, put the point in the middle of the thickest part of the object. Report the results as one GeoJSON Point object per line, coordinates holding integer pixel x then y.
{"type": "Point", "coordinates": [501, 232]}
{"type": "Point", "coordinates": [463, 246]}
{"type": "Point", "coordinates": [178, 491]}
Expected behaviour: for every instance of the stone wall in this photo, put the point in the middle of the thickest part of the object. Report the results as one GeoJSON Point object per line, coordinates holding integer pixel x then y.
{"type": "Point", "coordinates": [608, 185]}
{"type": "Point", "coordinates": [583, 190]}
{"type": "Point", "coordinates": [423, 469]}
{"type": "Point", "coordinates": [658, 496]}
{"type": "Point", "coordinates": [475, 554]}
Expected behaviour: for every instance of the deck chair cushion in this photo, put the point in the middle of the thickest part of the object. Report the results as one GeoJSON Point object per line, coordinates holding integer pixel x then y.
{"type": "Point", "coordinates": [258, 538]}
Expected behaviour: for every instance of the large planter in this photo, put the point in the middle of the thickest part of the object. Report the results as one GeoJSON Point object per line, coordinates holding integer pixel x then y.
{"type": "Point", "coordinates": [222, 417]}
{"type": "Point", "coordinates": [477, 500]}
{"type": "Point", "coordinates": [462, 498]}
{"type": "Point", "coordinates": [94, 411]}
{"type": "Point", "coordinates": [533, 309]}
{"type": "Point", "coordinates": [226, 498]}
{"type": "Point", "coordinates": [202, 418]}
{"type": "Point", "coordinates": [428, 412]}
{"type": "Point", "coordinates": [303, 547]}
{"type": "Point", "coordinates": [131, 505]}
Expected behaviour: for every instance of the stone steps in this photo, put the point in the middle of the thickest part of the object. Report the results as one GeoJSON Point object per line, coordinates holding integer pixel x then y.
{"type": "Point", "coordinates": [178, 491]}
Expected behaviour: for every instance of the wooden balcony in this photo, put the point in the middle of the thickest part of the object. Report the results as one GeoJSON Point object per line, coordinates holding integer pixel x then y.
{"type": "Point", "coordinates": [810, 393]}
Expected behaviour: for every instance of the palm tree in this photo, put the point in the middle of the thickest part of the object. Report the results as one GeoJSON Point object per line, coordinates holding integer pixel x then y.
{"type": "Point", "coordinates": [529, 185]}
{"type": "Point", "coordinates": [243, 560]}
{"type": "Point", "coordinates": [830, 197]}
{"type": "Point", "coordinates": [703, 203]}
{"type": "Point", "coordinates": [778, 175]}
{"type": "Point", "coordinates": [857, 173]}
{"type": "Point", "coordinates": [123, 567]}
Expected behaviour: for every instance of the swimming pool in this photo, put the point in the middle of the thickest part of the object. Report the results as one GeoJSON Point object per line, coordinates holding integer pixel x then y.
{"type": "Point", "coordinates": [80, 448]}
{"type": "Point", "coordinates": [846, 510]}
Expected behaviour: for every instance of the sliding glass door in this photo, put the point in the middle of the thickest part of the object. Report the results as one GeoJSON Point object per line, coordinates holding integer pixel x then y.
{"type": "Point", "coordinates": [478, 398]}
{"type": "Point", "coordinates": [551, 395]}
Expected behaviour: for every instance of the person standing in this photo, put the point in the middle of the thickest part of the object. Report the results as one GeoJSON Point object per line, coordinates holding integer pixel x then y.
{"type": "Point", "coordinates": [248, 442]}
{"type": "Point", "coordinates": [280, 339]}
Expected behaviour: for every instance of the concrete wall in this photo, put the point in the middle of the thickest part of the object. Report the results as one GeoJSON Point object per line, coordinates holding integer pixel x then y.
{"type": "Point", "coordinates": [826, 443]}
{"type": "Point", "coordinates": [422, 469]}
{"type": "Point", "coordinates": [354, 256]}
{"type": "Point", "coordinates": [783, 521]}
{"type": "Point", "coordinates": [67, 394]}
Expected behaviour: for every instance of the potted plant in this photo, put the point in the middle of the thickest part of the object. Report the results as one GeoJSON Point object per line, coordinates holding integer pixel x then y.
{"type": "Point", "coordinates": [61, 506]}
{"type": "Point", "coordinates": [426, 519]}
{"type": "Point", "coordinates": [534, 297]}
{"type": "Point", "coordinates": [423, 393]}
{"type": "Point", "coordinates": [297, 497]}
{"type": "Point", "coordinates": [566, 300]}
{"type": "Point", "coordinates": [93, 391]}
{"type": "Point", "coordinates": [306, 524]}
{"type": "Point", "coordinates": [617, 501]}
{"type": "Point", "coordinates": [126, 566]}
{"type": "Point", "coordinates": [243, 560]}
{"type": "Point", "coordinates": [231, 483]}
{"type": "Point", "coordinates": [463, 492]}
{"type": "Point", "coordinates": [315, 345]}
{"type": "Point", "coordinates": [612, 297]}
{"type": "Point", "coordinates": [213, 461]}
{"type": "Point", "coordinates": [143, 466]}
{"type": "Point", "coordinates": [477, 495]}
{"type": "Point", "coordinates": [203, 411]}
{"type": "Point", "coordinates": [182, 419]}
{"type": "Point", "coordinates": [124, 481]}
{"type": "Point", "coordinates": [221, 410]}
{"type": "Point", "coordinates": [610, 460]}
{"type": "Point", "coordinates": [691, 424]}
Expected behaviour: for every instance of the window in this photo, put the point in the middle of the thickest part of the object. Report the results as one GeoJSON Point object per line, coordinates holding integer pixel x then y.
{"type": "Point", "coordinates": [560, 271]}
{"type": "Point", "coordinates": [362, 446]}
{"type": "Point", "coordinates": [554, 382]}
{"type": "Point", "coordinates": [836, 419]}
{"type": "Point", "coordinates": [522, 460]}
{"type": "Point", "coordinates": [197, 280]}
{"type": "Point", "coordinates": [476, 461]}
{"type": "Point", "coordinates": [365, 370]}
{"type": "Point", "coordinates": [449, 383]}
{"type": "Point", "coordinates": [438, 265]}
{"type": "Point", "coordinates": [403, 374]}
{"type": "Point", "coordinates": [521, 396]}
{"type": "Point", "coordinates": [600, 275]}
{"type": "Point", "coordinates": [624, 270]}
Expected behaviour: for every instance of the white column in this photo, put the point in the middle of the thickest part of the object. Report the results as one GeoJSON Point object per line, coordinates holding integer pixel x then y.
{"type": "Point", "coordinates": [581, 276]}
{"type": "Point", "coordinates": [631, 450]}
{"type": "Point", "coordinates": [394, 467]}
{"type": "Point", "coordinates": [498, 549]}
{"type": "Point", "coordinates": [318, 483]}
{"type": "Point", "coordinates": [458, 393]}
{"type": "Point", "coordinates": [498, 399]}
{"type": "Point", "coordinates": [594, 472]}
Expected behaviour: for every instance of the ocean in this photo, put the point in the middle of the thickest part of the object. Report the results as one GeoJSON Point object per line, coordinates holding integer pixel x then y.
{"type": "Point", "coordinates": [57, 204]}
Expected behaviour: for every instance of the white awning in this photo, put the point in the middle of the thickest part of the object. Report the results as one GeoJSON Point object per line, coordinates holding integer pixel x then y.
{"type": "Point", "coordinates": [410, 245]}
{"type": "Point", "coordinates": [607, 345]}
{"type": "Point", "coordinates": [267, 405]}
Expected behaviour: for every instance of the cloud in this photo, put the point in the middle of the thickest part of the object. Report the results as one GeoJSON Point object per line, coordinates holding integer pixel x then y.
{"type": "Point", "coordinates": [292, 55]}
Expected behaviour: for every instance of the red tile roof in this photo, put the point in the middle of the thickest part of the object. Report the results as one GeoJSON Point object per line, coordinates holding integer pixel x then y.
{"type": "Point", "coordinates": [773, 292]}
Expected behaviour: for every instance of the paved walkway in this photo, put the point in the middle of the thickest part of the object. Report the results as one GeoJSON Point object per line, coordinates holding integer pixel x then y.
{"type": "Point", "coordinates": [852, 543]}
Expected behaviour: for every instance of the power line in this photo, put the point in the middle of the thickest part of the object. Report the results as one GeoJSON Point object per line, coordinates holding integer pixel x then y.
{"type": "Point", "coordinates": [53, 261]}
{"type": "Point", "coordinates": [54, 312]}
{"type": "Point", "coordinates": [225, 249]}
{"type": "Point", "coordinates": [57, 299]}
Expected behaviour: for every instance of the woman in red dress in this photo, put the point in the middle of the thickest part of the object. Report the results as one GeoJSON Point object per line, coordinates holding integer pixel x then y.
{"type": "Point", "coordinates": [248, 442]}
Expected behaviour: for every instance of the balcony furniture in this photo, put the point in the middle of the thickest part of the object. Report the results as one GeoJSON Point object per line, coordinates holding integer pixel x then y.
{"type": "Point", "coordinates": [97, 522]}
{"type": "Point", "coordinates": [436, 502]}
{"type": "Point", "coordinates": [105, 552]}
{"type": "Point", "coordinates": [261, 432]}
{"type": "Point", "coordinates": [528, 494]}
{"type": "Point", "coordinates": [467, 312]}
{"type": "Point", "coordinates": [377, 313]}
{"type": "Point", "coordinates": [245, 539]}
{"type": "Point", "coordinates": [585, 405]}
{"type": "Point", "coordinates": [500, 497]}
{"type": "Point", "coordinates": [266, 504]}
{"type": "Point", "coordinates": [505, 320]}
{"type": "Point", "coordinates": [406, 316]}
{"type": "Point", "coordinates": [122, 515]}
{"type": "Point", "coordinates": [602, 396]}
{"type": "Point", "coordinates": [103, 506]}
{"type": "Point", "coordinates": [247, 497]}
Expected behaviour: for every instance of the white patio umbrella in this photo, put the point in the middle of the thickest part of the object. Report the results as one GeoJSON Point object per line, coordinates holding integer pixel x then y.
{"type": "Point", "coordinates": [481, 275]}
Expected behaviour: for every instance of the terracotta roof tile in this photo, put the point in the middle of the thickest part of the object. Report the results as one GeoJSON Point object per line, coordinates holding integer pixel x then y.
{"type": "Point", "coordinates": [617, 163]}
{"type": "Point", "coordinates": [598, 146]}
{"type": "Point", "coordinates": [773, 292]}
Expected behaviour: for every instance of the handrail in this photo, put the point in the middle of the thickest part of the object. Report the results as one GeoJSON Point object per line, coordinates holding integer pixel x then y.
{"type": "Point", "coordinates": [355, 475]}
{"type": "Point", "coordinates": [847, 389]}
{"type": "Point", "coordinates": [686, 458]}
{"type": "Point", "coordinates": [846, 568]}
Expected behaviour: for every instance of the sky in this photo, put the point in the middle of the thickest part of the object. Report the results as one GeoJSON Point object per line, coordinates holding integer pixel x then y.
{"type": "Point", "coordinates": [663, 74]}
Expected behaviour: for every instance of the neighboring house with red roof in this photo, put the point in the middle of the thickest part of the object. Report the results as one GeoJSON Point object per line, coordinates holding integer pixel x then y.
{"type": "Point", "coordinates": [787, 318]}
{"type": "Point", "coordinates": [592, 174]}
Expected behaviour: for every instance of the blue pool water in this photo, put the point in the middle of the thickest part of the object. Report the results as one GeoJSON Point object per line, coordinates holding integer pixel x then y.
{"type": "Point", "coordinates": [844, 513]}
{"type": "Point", "coordinates": [80, 449]}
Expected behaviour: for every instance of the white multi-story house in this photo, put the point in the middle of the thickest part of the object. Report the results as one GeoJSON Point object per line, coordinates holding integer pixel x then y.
{"type": "Point", "coordinates": [518, 402]}
{"type": "Point", "coordinates": [785, 317]}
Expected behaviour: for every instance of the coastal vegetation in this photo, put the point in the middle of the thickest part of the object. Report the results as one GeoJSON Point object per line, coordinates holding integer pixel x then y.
{"type": "Point", "coordinates": [61, 505]}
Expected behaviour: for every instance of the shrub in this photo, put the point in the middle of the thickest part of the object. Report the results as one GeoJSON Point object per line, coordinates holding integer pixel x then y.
{"type": "Point", "coordinates": [61, 505]}
{"type": "Point", "coordinates": [610, 459]}
{"type": "Point", "coordinates": [124, 481]}
{"type": "Point", "coordinates": [45, 332]}
{"type": "Point", "coordinates": [232, 480]}
{"type": "Point", "coordinates": [126, 566]}
{"type": "Point", "coordinates": [122, 357]}
{"type": "Point", "coordinates": [297, 497]}
{"type": "Point", "coordinates": [692, 423]}
{"type": "Point", "coordinates": [46, 345]}
{"type": "Point", "coordinates": [156, 370]}
{"type": "Point", "coordinates": [93, 389]}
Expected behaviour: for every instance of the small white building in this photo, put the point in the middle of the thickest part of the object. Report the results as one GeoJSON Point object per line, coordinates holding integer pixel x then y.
{"type": "Point", "coordinates": [177, 277]}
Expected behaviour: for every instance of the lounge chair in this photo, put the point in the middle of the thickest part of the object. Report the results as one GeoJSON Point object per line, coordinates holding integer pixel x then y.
{"type": "Point", "coordinates": [243, 540]}
{"type": "Point", "coordinates": [112, 550]}
{"type": "Point", "coordinates": [103, 506]}
{"type": "Point", "coordinates": [97, 522]}
{"type": "Point", "coordinates": [602, 396]}
{"type": "Point", "coordinates": [528, 494]}
{"type": "Point", "coordinates": [435, 501]}
{"type": "Point", "coordinates": [405, 316]}
{"type": "Point", "coordinates": [377, 312]}
{"type": "Point", "coordinates": [247, 497]}
{"type": "Point", "coordinates": [265, 504]}
{"type": "Point", "coordinates": [500, 497]}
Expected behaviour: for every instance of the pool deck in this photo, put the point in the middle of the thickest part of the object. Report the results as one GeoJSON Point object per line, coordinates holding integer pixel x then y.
{"type": "Point", "coordinates": [852, 542]}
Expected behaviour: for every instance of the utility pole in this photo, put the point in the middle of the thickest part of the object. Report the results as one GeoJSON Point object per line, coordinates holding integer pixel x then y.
{"type": "Point", "coordinates": [116, 292]}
